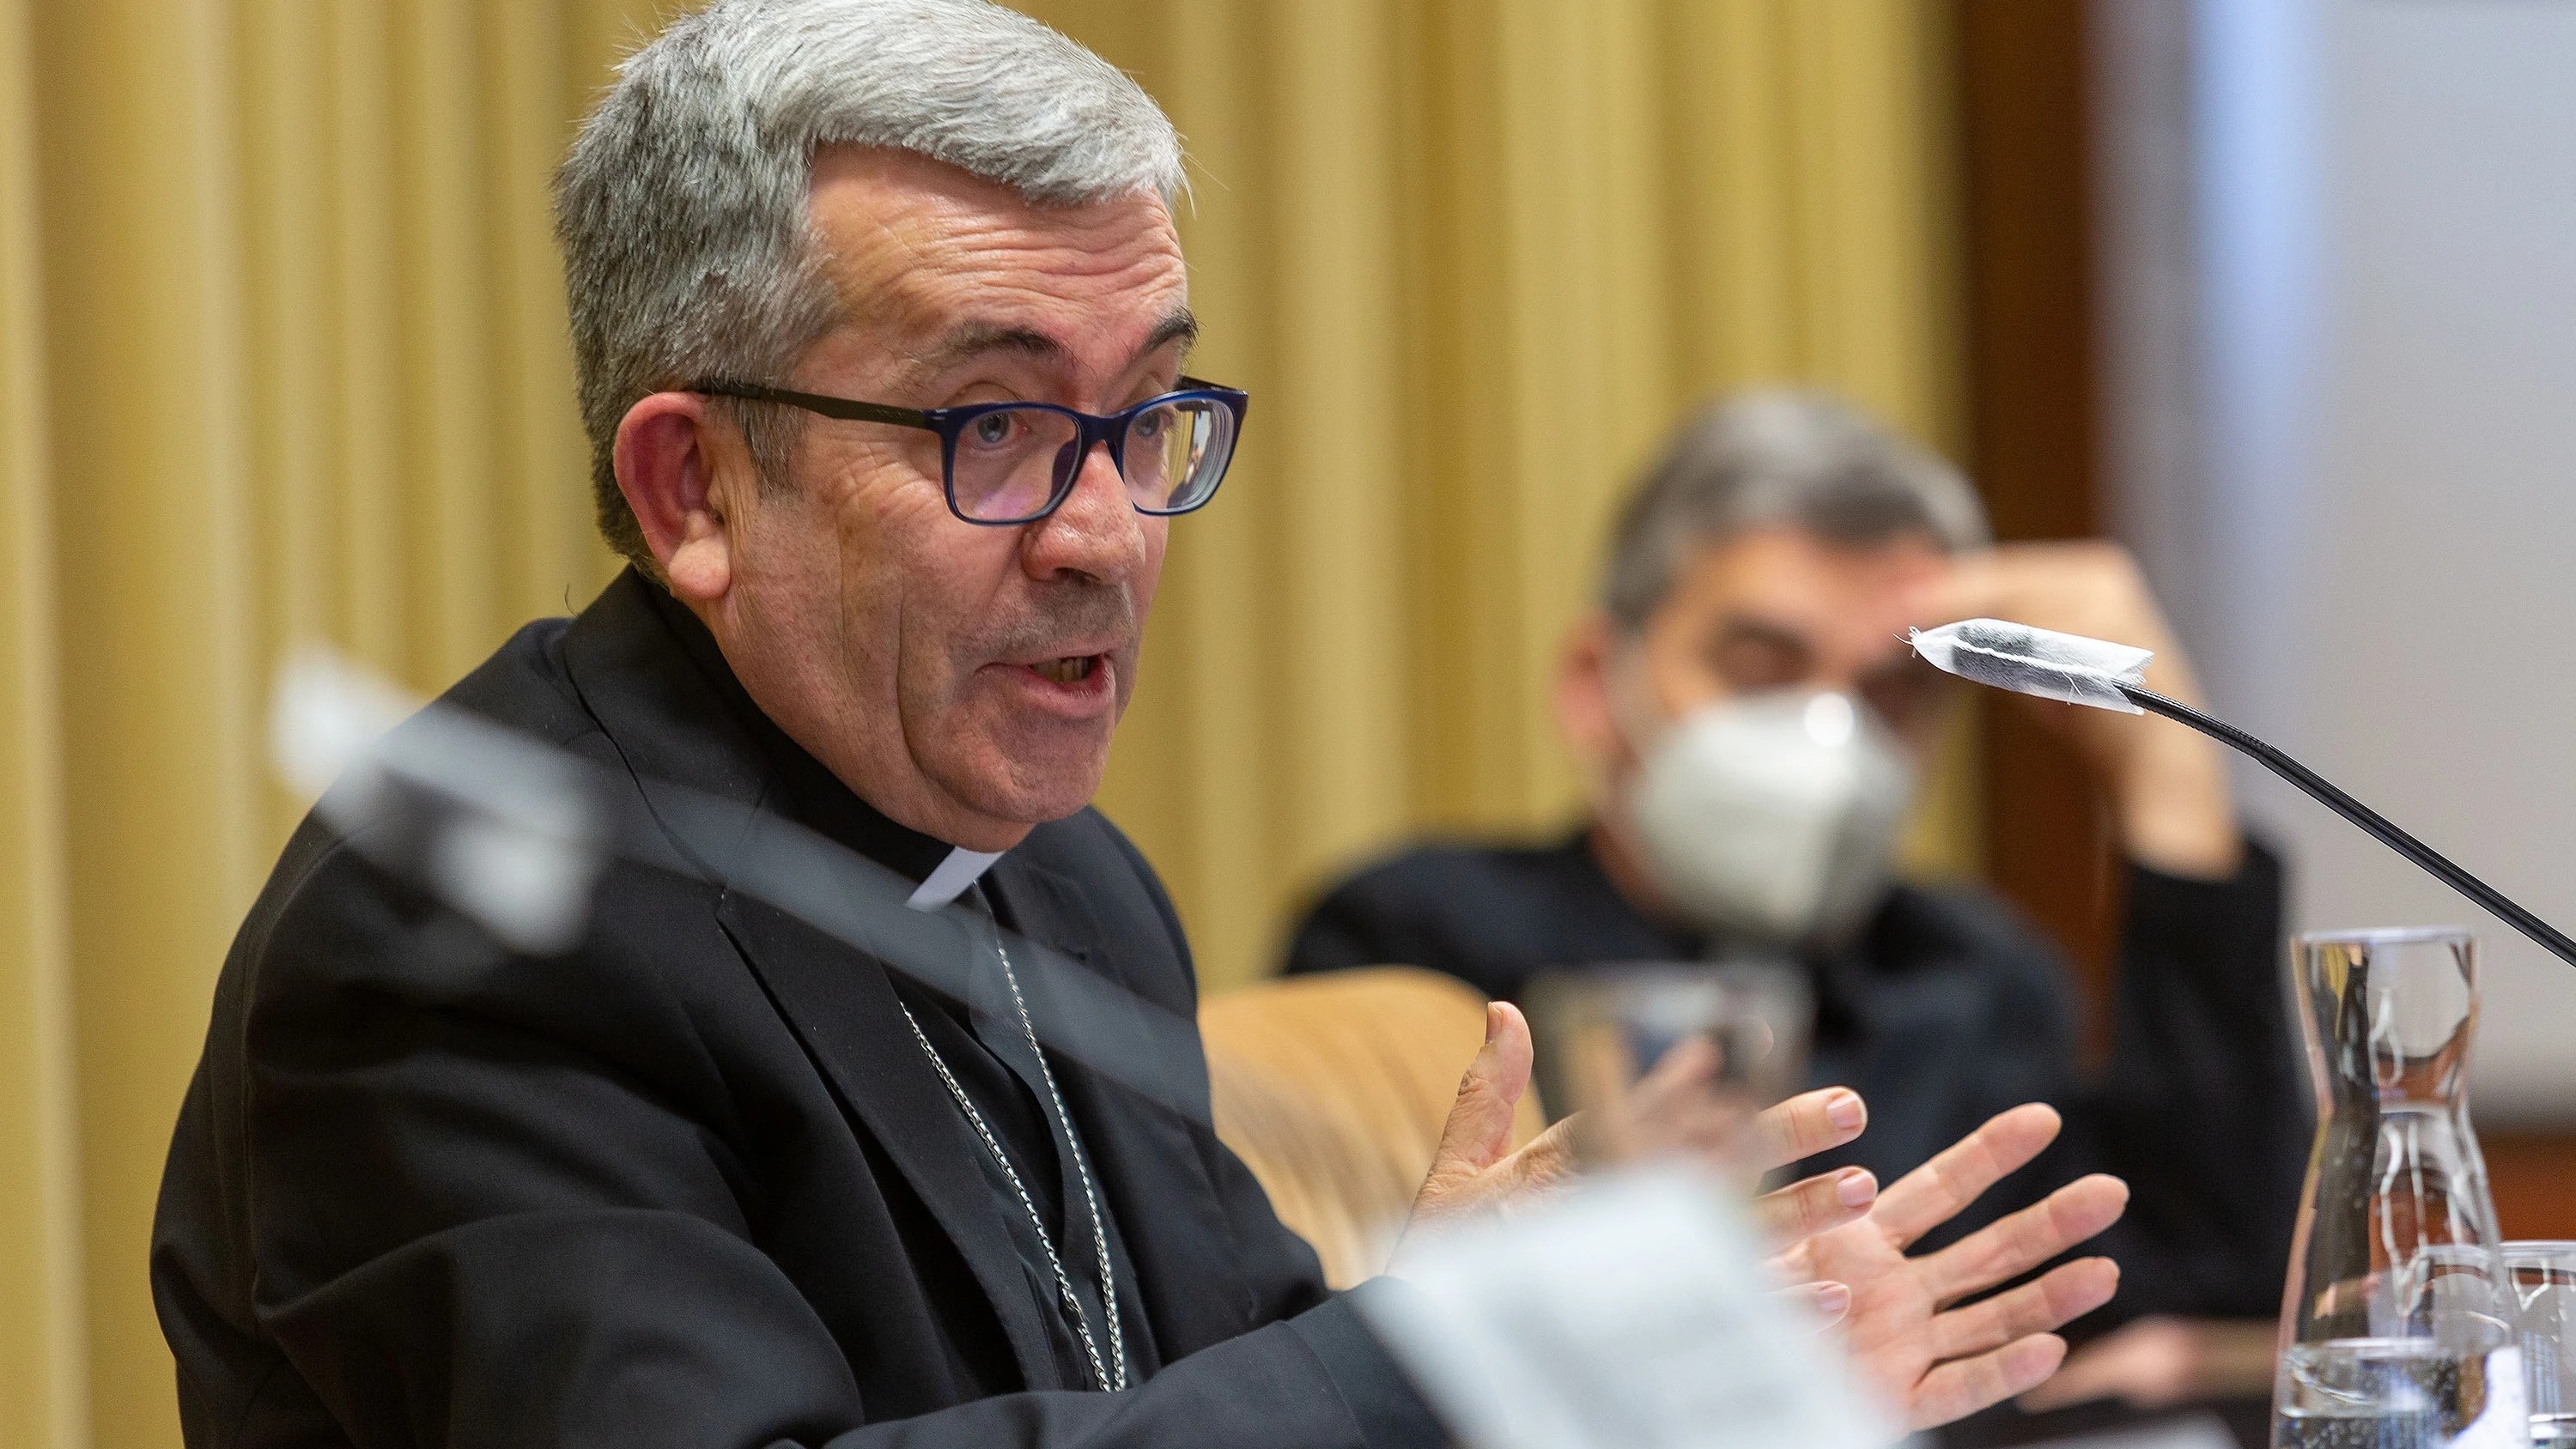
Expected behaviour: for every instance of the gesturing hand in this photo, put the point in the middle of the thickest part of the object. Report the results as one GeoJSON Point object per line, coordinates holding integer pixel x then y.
{"type": "Point", "coordinates": [1934, 1362]}
{"type": "Point", "coordinates": [1474, 1169]}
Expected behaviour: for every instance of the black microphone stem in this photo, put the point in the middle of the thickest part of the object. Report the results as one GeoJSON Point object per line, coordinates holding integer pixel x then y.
{"type": "Point", "coordinates": [2362, 815]}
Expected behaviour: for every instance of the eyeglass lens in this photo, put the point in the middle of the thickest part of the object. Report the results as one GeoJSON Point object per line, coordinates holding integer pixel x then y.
{"type": "Point", "coordinates": [1010, 462]}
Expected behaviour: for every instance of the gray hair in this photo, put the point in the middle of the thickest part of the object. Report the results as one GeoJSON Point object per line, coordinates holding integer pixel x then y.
{"type": "Point", "coordinates": [681, 207]}
{"type": "Point", "coordinates": [1780, 457]}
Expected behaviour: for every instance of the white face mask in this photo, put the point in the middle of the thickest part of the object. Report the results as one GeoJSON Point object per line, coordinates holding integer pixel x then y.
{"type": "Point", "coordinates": [1774, 816]}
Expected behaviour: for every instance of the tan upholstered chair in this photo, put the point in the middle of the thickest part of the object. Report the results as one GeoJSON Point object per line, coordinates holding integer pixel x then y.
{"type": "Point", "coordinates": [1333, 1089]}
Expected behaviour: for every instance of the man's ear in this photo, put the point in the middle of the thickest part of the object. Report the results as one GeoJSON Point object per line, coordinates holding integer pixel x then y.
{"type": "Point", "coordinates": [667, 470]}
{"type": "Point", "coordinates": [1585, 714]}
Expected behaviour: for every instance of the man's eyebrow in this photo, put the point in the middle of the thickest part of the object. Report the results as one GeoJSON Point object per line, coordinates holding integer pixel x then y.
{"type": "Point", "coordinates": [974, 339]}
{"type": "Point", "coordinates": [1751, 629]}
{"type": "Point", "coordinates": [970, 340]}
{"type": "Point", "coordinates": [1180, 327]}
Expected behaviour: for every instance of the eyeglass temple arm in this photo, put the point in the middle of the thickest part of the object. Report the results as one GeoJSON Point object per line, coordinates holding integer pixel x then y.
{"type": "Point", "coordinates": [830, 407]}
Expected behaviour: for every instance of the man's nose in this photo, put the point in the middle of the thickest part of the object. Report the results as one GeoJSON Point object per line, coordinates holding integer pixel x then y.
{"type": "Point", "coordinates": [1095, 531]}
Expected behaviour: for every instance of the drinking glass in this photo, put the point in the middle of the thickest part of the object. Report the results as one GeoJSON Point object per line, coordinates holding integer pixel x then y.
{"type": "Point", "coordinates": [2542, 1277]}
{"type": "Point", "coordinates": [1664, 1056]}
{"type": "Point", "coordinates": [2395, 1324]}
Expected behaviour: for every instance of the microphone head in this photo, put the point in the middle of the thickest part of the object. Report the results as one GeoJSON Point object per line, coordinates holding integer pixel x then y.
{"type": "Point", "coordinates": [2039, 662]}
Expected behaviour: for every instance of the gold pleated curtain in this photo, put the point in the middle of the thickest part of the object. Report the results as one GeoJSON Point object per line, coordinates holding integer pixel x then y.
{"type": "Point", "coordinates": [282, 360]}
{"type": "Point", "coordinates": [1473, 258]}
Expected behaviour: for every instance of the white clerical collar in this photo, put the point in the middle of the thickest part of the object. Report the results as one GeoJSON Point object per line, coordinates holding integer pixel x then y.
{"type": "Point", "coordinates": [961, 869]}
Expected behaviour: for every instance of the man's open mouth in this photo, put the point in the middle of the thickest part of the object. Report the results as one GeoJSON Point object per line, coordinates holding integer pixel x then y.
{"type": "Point", "coordinates": [1071, 669]}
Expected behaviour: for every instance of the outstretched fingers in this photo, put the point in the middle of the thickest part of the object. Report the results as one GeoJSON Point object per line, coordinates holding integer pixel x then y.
{"type": "Point", "coordinates": [2052, 1300]}
{"type": "Point", "coordinates": [1825, 1303]}
{"type": "Point", "coordinates": [1932, 1194]}
{"type": "Point", "coordinates": [2016, 1244]}
{"type": "Point", "coordinates": [1804, 1125]}
{"type": "Point", "coordinates": [1963, 1386]}
{"type": "Point", "coordinates": [1819, 1204]}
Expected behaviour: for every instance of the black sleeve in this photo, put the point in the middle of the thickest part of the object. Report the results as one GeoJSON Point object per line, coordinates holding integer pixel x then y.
{"type": "Point", "coordinates": [1341, 933]}
{"type": "Point", "coordinates": [2202, 1108]}
{"type": "Point", "coordinates": [494, 1206]}
{"type": "Point", "coordinates": [1437, 910]}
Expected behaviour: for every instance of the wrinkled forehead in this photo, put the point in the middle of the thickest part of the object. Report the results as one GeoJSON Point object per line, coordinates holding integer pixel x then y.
{"type": "Point", "coordinates": [917, 248]}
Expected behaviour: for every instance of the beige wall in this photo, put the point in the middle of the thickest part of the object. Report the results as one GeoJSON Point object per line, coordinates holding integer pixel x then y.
{"type": "Point", "coordinates": [281, 359]}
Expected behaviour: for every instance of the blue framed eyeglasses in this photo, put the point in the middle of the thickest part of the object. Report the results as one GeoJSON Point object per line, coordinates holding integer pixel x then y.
{"type": "Point", "coordinates": [1015, 462]}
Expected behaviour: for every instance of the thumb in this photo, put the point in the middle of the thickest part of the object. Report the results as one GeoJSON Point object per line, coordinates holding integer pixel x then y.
{"type": "Point", "coordinates": [1479, 1131]}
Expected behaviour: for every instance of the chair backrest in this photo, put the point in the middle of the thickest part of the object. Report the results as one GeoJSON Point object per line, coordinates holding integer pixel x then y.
{"type": "Point", "coordinates": [1333, 1090]}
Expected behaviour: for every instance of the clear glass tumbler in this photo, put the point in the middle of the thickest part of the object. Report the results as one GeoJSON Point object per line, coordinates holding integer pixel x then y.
{"type": "Point", "coordinates": [2395, 1328]}
{"type": "Point", "coordinates": [2543, 1279]}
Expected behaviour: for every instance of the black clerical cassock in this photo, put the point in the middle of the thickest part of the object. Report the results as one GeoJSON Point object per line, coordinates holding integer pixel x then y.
{"type": "Point", "coordinates": [711, 1178]}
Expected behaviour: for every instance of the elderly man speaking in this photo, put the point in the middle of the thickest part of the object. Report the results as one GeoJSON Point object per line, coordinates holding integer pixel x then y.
{"type": "Point", "coordinates": [880, 321]}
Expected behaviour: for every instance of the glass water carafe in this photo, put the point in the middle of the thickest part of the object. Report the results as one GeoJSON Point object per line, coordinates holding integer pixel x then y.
{"type": "Point", "coordinates": [2393, 1334]}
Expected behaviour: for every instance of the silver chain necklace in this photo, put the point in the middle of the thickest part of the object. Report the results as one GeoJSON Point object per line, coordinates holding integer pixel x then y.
{"type": "Point", "coordinates": [1113, 1375]}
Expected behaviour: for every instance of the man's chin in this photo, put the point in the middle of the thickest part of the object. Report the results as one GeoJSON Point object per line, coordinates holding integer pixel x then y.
{"type": "Point", "coordinates": [1029, 788]}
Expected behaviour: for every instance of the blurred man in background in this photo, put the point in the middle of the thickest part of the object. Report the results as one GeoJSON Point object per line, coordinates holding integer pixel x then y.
{"type": "Point", "coordinates": [1751, 724]}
